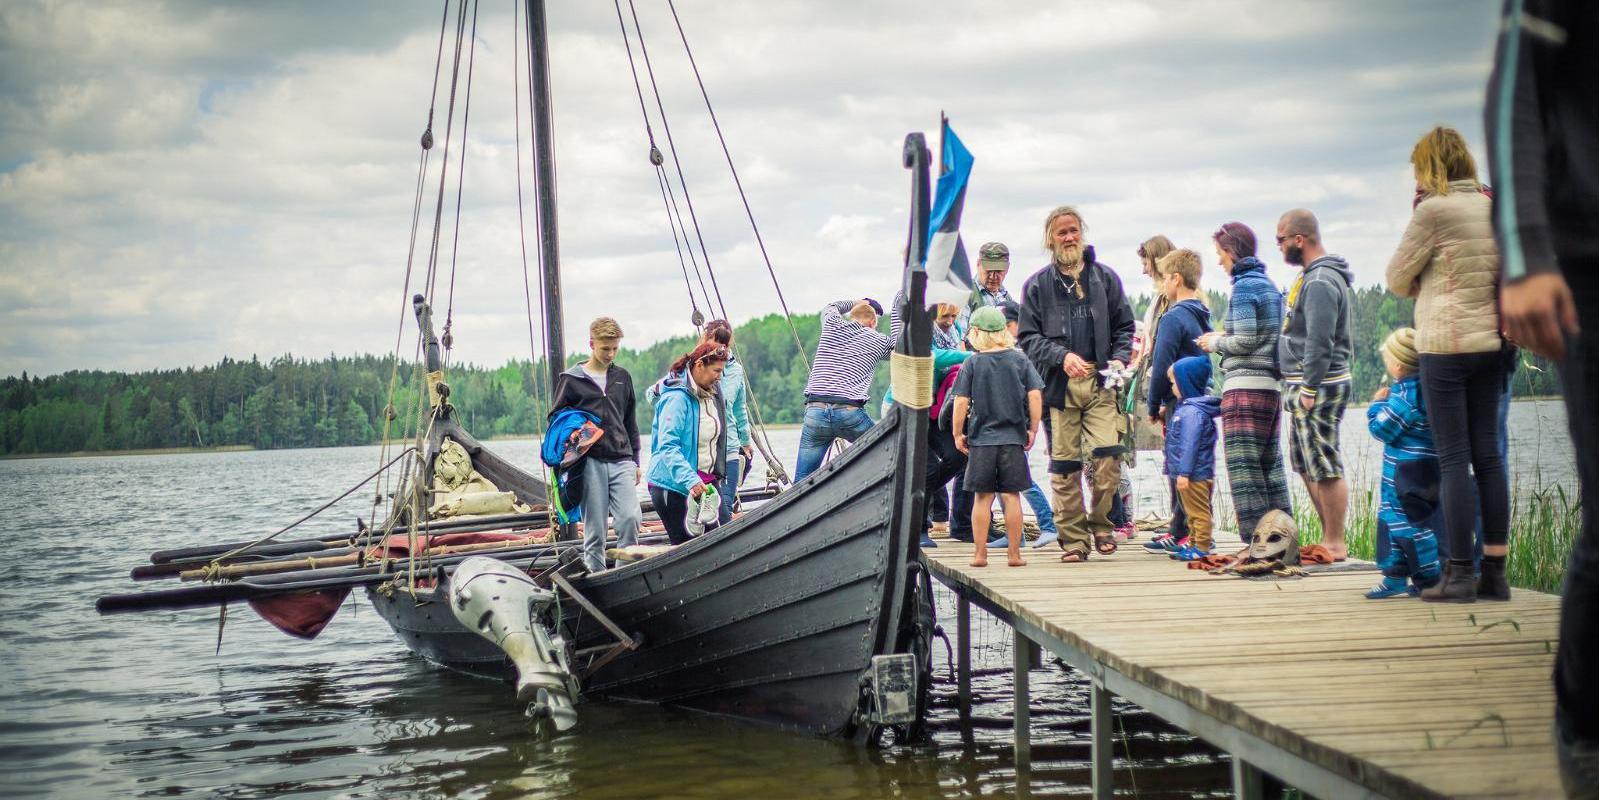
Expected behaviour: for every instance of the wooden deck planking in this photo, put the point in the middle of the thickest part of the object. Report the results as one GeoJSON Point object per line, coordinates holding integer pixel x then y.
{"type": "Point", "coordinates": [1398, 696]}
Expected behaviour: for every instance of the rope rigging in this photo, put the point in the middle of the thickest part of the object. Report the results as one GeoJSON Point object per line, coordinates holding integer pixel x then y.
{"type": "Point", "coordinates": [668, 200]}
{"type": "Point", "coordinates": [527, 294]}
{"type": "Point", "coordinates": [426, 142]}
{"type": "Point", "coordinates": [755, 229]}
{"type": "Point", "coordinates": [448, 338]}
{"type": "Point", "coordinates": [775, 470]}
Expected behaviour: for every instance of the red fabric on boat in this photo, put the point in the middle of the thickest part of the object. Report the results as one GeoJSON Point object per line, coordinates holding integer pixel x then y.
{"type": "Point", "coordinates": [303, 614]}
{"type": "Point", "coordinates": [399, 547]}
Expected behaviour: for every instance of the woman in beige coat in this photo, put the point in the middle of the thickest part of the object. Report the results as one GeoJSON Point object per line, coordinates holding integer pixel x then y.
{"type": "Point", "coordinates": [1448, 261]}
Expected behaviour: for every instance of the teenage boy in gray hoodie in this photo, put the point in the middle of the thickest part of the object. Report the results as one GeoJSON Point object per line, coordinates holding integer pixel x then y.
{"type": "Point", "coordinates": [1314, 357]}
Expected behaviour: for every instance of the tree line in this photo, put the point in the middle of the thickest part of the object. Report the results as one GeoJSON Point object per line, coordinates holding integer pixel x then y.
{"type": "Point", "coordinates": [342, 400]}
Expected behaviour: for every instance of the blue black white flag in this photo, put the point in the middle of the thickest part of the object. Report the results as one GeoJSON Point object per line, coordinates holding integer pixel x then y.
{"type": "Point", "coordinates": [949, 270]}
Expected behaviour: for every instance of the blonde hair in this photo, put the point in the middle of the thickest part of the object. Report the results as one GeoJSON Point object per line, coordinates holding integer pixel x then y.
{"type": "Point", "coordinates": [1442, 156]}
{"type": "Point", "coordinates": [1057, 213]}
{"type": "Point", "coordinates": [1185, 263]}
{"type": "Point", "coordinates": [989, 341]}
{"type": "Point", "coordinates": [1155, 247]}
{"type": "Point", "coordinates": [605, 328]}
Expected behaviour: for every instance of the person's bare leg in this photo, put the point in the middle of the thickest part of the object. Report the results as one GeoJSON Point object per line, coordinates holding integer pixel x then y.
{"type": "Point", "coordinates": [1335, 504]}
{"type": "Point", "coordinates": [1011, 504]}
{"type": "Point", "coordinates": [982, 517]}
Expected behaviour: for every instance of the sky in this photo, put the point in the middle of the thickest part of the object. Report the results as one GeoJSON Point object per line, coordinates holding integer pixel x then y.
{"type": "Point", "coordinates": [185, 181]}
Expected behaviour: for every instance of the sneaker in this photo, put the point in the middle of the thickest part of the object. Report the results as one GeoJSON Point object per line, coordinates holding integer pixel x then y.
{"type": "Point", "coordinates": [1189, 552]}
{"type": "Point", "coordinates": [1387, 587]}
{"type": "Point", "coordinates": [1126, 532]}
{"type": "Point", "coordinates": [1046, 538]}
{"type": "Point", "coordinates": [1159, 543]}
{"type": "Point", "coordinates": [928, 542]}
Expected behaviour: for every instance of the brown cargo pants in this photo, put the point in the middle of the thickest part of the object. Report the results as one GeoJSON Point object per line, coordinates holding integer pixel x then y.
{"type": "Point", "coordinates": [1089, 423]}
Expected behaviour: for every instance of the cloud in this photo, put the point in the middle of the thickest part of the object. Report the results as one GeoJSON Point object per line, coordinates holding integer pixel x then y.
{"type": "Point", "coordinates": [184, 181]}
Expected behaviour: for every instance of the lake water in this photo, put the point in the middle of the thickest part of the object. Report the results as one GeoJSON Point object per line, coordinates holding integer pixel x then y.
{"type": "Point", "coordinates": [145, 705]}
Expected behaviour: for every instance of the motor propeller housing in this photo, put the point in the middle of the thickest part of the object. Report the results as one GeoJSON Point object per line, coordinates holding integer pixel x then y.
{"type": "Point", "coordinates": [506, 607]}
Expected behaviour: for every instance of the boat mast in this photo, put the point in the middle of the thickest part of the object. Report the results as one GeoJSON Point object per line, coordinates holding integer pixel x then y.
{"type": "Point", "coordinates": [544, 179]}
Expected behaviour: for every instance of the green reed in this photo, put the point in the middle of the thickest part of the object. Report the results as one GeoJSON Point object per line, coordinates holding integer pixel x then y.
{"type": "Point", "coordinates": [1545, 522]}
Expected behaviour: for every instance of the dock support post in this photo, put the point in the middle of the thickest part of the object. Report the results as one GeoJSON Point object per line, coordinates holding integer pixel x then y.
{"type": "Point", "coordinates": [1100, 741]}
{"type": "Point", "coordinates": [1021, 657]}
{"type": "Point", "coordinates": [1246, 780]}
{"type": "Point", "coordinates": [964, 656]}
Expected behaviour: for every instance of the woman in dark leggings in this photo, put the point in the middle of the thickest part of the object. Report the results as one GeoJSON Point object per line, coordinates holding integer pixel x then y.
{"type": "Point", "coordinates": [688, 442]}
{"type": "Point", "coordinates": [1448, 261]}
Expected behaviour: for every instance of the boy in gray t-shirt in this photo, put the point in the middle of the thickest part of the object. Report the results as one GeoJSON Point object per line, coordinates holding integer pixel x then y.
{"type": "Point", "coordinates": [998, 403]}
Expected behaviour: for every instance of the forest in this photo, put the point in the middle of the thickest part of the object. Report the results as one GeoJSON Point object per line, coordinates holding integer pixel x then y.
{"type": "Point", "coordinates": [340, 400]}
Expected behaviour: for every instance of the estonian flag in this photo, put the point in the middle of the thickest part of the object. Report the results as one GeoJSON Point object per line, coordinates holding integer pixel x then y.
{"type": "Point", "coordinates": [949, 271]}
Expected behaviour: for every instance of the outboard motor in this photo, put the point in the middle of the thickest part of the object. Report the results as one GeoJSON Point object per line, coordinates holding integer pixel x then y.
{"type": "Point", "coordinates": [506, 607]}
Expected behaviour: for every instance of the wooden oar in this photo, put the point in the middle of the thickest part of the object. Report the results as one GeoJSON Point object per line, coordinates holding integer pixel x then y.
{"type": "Point", "coordinates": [273, 585]}
{"type": "Point", "coordinates": [202, 555]}
{"type": "Point", "coordinates": [235, 571]}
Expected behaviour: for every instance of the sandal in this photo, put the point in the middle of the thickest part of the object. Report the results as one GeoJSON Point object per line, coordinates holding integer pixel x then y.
{"type": "Point", "coordinates": [1074, 557]}
{"type": "Point", "coordinates": [1105, 543]}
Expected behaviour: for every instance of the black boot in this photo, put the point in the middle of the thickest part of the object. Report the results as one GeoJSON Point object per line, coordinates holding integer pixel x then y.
{"type": "Point", "coordinates": [1457, 585]}
{"type": "Point", "coordinates": [1492, 582]}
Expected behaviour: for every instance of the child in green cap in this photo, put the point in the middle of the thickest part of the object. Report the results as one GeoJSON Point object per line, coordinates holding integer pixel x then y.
{"type": "Point", "coordinates": [998, 403]}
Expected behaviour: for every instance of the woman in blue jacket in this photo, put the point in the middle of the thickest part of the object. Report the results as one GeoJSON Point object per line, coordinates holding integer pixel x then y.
{"type": "Point", "coordinates": [688, 439]}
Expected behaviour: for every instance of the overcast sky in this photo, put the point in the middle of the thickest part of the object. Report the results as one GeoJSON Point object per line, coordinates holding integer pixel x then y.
{"type": "Point", "coordinates": [185, 181]}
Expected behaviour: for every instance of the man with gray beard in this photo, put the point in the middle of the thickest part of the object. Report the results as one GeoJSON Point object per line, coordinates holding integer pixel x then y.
{"type": "Point", "coordinates": [1075, 322]}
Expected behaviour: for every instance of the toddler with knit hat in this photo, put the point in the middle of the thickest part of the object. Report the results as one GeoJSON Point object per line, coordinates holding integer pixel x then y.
{"type": "Point", "coordinates": [1408, 506]}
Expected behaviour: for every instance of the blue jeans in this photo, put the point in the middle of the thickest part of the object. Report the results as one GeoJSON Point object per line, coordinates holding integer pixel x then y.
{"type": "Point", "coordinates": [608, 490]}
{"type": "Point", "coordinates": [1041, 508]}
{"type": "Point", "coordinates": [729, 488]}
{"type": "Point", "coordinates": [825, 422]}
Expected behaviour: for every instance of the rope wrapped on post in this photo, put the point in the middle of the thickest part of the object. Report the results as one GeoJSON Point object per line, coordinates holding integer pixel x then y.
{"type": "Point", "coordinates": [911, 379]}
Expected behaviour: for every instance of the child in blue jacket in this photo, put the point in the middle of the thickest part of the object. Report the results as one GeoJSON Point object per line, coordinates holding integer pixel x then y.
{"type": "Point", "coordinates": [1190, 450]}
{"type": "Point", "coordinates": [1408, 504]}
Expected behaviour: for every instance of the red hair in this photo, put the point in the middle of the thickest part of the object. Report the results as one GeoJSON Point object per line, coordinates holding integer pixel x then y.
{"type": "Point", "coordinates": [703, 353]}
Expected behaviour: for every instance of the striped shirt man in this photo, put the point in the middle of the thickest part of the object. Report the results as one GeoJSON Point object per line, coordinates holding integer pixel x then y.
{"type": "Point", "coordinates": [848, 354]}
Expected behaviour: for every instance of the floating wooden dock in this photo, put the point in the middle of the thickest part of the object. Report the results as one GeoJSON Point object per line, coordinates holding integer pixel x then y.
{"type": "Point", "coordinates": [1303, 678]}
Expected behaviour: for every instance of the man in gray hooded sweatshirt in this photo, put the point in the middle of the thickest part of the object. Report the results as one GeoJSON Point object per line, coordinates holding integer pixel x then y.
{"type": "Point", "coordinates": [1314, 356]}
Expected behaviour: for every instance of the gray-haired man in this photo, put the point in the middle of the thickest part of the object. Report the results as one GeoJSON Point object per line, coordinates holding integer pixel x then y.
{"type": "Point", "coordinates": [994, 262]}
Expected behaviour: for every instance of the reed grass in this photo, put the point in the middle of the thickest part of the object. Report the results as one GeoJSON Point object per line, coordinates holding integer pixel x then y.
{"type": "Point", "coordinates": [1545, 522]}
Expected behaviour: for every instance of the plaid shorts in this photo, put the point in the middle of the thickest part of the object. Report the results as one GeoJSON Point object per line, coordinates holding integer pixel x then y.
{"type": "Point", "coordinates": [1314, 434]}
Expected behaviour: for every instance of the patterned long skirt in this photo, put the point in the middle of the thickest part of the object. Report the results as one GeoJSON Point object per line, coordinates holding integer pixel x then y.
{"type": "Point", "coordinates": [1255, 460]}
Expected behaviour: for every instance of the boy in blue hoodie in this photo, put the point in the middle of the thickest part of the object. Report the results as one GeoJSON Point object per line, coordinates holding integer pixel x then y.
{"type": "Point", "coordinates": [1408, 504]}
{"type": "Point", "coordinates": [1178, 280]}
{"type": "Point", "coordinates": [1190, 450]}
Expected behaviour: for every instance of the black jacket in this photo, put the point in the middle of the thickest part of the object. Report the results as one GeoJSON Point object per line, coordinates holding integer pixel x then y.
{"type": "Point", "coordinates": [1043, 328]}
{"type": "Point", "coordinates": [1541, 121]}
{"type": "Point", "coordinates": [615, 409]}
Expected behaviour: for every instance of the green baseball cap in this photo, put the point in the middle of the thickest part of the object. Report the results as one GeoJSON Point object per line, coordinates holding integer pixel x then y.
{"type": "Point", "coordinates": [989, 318]}
{"type": "Point", "coordinates": [994, 256]}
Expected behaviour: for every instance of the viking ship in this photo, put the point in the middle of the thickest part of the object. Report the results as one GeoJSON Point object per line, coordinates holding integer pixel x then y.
{"type": "Point", "coordinates": [811, 611]}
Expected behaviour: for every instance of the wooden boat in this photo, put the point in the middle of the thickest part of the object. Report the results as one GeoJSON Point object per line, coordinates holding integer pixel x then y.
{"type": "Point", "coordinates": [812, 612]}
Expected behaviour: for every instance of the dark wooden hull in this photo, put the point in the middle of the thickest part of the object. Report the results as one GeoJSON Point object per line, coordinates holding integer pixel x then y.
{"type": "Point", "coordinates": [772, 618]}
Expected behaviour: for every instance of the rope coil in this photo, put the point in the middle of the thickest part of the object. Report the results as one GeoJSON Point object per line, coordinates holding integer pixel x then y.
{"type": "Point", "coordinates": [911, 378]}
